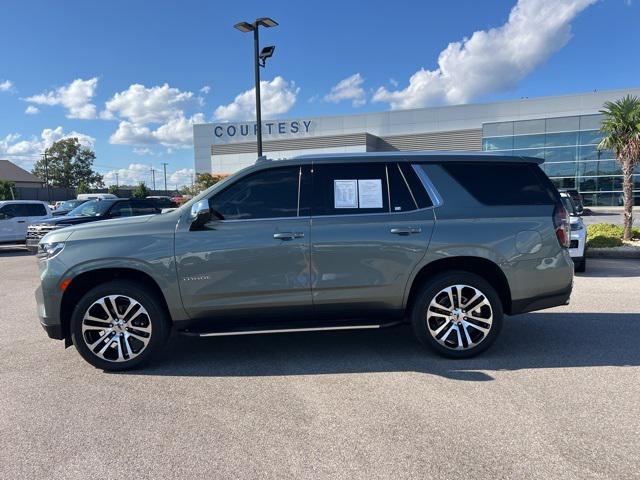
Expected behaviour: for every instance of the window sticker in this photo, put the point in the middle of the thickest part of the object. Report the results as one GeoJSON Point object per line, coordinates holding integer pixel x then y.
{"type": "Point", "coordinates": [345, 193]}
{"type": "Point", "coordinates": [370, 193]}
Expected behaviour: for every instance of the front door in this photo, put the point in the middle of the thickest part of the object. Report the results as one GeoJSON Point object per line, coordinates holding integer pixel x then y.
{"type": "Point", "coordinates": [255, 259]}
{"type": "Point", "coordinates": [369, 232]}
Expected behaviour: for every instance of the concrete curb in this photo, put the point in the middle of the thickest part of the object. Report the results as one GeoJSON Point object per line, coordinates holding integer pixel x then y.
{"type": "Point", "coordinates": [611, 253]}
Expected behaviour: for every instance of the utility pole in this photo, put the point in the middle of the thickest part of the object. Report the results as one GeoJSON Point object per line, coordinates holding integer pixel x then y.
{"type": "Point", "coordinates": [117, 184]}
{"type": "Point", "coordinates": [153, 176]}
{"type": "Point", "coordinates": [164, 167]}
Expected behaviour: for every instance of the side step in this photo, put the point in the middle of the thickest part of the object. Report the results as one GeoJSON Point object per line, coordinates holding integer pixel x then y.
{"type": "Point", "coordinates": [284, 330]}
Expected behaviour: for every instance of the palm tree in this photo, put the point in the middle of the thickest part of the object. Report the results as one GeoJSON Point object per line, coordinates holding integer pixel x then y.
{"type": "Point", "coordinates": [621, 127]}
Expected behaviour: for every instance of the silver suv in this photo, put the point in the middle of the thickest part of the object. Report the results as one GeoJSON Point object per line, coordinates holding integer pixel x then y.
{"type": "Point", "coordinates": [448, 243]}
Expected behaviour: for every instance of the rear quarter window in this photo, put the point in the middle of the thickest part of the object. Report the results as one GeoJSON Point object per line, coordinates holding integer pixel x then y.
{"type": "Point", "coordinates": [503, 183]}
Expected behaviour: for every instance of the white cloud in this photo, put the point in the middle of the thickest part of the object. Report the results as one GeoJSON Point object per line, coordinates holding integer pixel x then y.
{"type": "Point", "coordinates": [205, 90]}
{"type": "Point", "coordinates": [31, 110]}
{"type": "Point", "coordinates": [75, 97]}
{"type": "Point", "coordinates": [26, 151]}
{"type": "Point", "coordinates": [492, 60]}
{"type": "Point", "coordinates": [349, 88]}
{"type": "Point", "coordinates": [277, 95]}
{"type": "Point", "coordinates": [6, 86]}
{"type": "Point", "coordinates": [135, 173]}
{"type": "Point", "coordinates": [177, 132]}
{"type": "Point", "coordinates": [141, 105]}
{"type": "Point", "coordinates": [152, 115]}
{"type": "Point", "coordinates": [143, 151]}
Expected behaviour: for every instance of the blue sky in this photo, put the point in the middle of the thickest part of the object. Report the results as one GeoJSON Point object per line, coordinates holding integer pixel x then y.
{"type": "Point", "coordinates": [128, 76]}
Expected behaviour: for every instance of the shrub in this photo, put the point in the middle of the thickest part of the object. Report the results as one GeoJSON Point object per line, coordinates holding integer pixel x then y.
{"type": "Point", "coordinates": [606, 235]}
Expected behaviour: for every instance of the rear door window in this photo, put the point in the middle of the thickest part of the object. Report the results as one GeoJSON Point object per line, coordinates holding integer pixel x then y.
{"type": "Point", "coordinates": [144, 208]}
{"type": "Point", "coordinates": [348, 189]}
{"type": "Point", "coordinates": [401, 197]}
{"type": "Point", "coordinates": [502, 183]}
{"type": "Point", "coordinates": [34, 210]}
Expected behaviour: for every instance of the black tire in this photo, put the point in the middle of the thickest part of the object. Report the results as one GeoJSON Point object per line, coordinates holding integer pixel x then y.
{"type": "Point", "coordinates": [431, 289]}
{"type": "Point", "coordinates": [581, 266]}
{"type": "Point", "coordinates": [155, 319]}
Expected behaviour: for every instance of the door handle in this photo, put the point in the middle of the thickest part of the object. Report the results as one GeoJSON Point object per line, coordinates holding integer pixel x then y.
{"type": "Point", "coordinates": [288, 235]}
{"type": "Point", "coordinates": [21, 221]}
{"type": "Point", "coordinates": [405, 231]}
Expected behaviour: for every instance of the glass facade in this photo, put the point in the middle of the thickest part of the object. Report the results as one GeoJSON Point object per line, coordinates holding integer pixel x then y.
{"type": "Point", "coordinates": [568, 146]}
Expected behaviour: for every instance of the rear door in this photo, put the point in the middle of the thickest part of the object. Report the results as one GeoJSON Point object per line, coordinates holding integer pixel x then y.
{"type": "Point", "coordinates": [255, 260]}
{"type": "Point", "coordinates": [369, 231]}
{"type": "Point", "coordinates": [34, 212]}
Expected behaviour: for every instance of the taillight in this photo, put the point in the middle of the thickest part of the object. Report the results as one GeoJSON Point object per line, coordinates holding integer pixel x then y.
{"type": "Point", "coordinates": [562, 225]}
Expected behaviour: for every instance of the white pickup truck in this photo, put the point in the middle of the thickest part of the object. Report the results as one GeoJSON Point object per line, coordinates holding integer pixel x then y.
{"type": "Point", "coordinates": [16, 215]}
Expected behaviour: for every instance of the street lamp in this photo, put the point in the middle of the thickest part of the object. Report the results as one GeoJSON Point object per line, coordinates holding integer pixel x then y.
{"type": "Point", "coordinates": [259, 60]}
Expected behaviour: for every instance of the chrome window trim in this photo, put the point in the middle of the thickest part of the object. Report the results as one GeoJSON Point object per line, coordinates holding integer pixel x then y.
{"type": "Point", "coordinates": [435, 197]}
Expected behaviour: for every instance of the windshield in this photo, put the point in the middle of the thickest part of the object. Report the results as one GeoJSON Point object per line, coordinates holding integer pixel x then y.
{"type": "Point", "coordinates": [94, 208]}
{"type": "Point", "coordinates": [70, 204]}
{"type": "Point", "coordinates": [568, 204]}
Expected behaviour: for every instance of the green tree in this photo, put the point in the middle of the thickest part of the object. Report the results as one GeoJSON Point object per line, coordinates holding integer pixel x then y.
{"type": "Point", "coordinates": [113, 189]}
{"type": "Point", "coordinates": [141, 191]}
{"type": "Point", "coordinates": [621, 127]}
{"type": "Point", "coordinates": [203, 181]}
{"type": "Point", "coordinates": [68, 164]}
{"type": "Point", "coordinates": [6, 190]}
{"type": "Point", "coordinates": [82, 188]}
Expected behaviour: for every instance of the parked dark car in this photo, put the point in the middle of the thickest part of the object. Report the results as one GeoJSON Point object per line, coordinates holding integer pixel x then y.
{"type": "Point", "coordinates": [67, 206]}
{"type": "Point", "coordinates": [91, 211]}
{"type": "Point", "coordinates": [163, 202]}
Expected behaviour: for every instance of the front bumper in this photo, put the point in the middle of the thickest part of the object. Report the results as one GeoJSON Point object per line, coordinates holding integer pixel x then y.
{"type": "Point", "coordinates": [32, 244]}
{"type": "Point", "coordinates": [48, 302]}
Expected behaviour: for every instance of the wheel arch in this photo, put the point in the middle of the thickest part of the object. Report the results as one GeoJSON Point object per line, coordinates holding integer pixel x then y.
{"type": "Point", "coordinates": [89, 279]}
{"type": "Point", "coordinates": [480, 266]}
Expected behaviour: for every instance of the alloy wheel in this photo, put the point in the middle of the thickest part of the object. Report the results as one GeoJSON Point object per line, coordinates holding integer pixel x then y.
{"type": "Point", "coordinates": [116, 328]}
{"type": "Point", "coordinates": [459, 317]}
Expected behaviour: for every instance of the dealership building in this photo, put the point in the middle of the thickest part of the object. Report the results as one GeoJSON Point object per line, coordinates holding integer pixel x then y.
{"type": "Point", "coordinates": [562, 129]}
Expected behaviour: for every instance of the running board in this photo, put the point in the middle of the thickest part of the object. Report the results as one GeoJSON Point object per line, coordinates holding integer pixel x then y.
{"type": "Point", "coordinates": [283, 330]}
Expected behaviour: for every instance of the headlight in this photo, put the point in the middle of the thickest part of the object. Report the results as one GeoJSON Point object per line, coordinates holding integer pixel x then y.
{"type": "Point", "coordinates": [47, 251]}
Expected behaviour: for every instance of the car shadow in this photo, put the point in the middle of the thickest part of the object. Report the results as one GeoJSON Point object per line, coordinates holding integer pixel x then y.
{"type": "Point", "coordinates": [610, 267]}
{"type": "Point", "coordinates": [537, 340]}
{"type": "Point", "coordinates": [14, 251]}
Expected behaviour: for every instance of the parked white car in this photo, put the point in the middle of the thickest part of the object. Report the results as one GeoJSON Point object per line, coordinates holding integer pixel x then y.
{"type": "Point", "coordinates": [16, 215]}
{"type": "Point", "coordinates": [578, 242]}
{"type": "Point", "coordinates": [96, 196]}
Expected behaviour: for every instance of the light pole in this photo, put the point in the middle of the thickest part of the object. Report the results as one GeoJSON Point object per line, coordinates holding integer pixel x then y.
{"type": "Point", "coordinates": [259, 60]}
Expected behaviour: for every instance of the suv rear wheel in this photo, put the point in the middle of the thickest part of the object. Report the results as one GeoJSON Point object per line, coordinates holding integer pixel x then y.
{"type": "Point", "coordinates": [457, 314]}
{"type": "Point", "coordinates": [118, 326]}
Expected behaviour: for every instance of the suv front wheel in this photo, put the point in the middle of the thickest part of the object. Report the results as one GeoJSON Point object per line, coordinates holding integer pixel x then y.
{"type": "Point", "coordinates": [119, 325]}
{"type": "Point", "coordinates": [457, 314]}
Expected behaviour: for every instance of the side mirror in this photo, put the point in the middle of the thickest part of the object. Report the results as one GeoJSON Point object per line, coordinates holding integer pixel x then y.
{"type": "Point", "coordinates": [200, 214]}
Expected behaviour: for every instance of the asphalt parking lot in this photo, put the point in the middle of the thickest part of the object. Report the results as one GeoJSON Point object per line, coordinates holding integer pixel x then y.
{"type": "Point", "coordinates": [558, 396]}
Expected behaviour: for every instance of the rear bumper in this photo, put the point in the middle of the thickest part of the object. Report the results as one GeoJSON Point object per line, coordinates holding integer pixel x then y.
{"type": "Point", "coordinates": [541, 302]}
